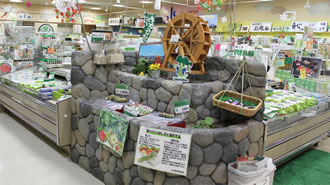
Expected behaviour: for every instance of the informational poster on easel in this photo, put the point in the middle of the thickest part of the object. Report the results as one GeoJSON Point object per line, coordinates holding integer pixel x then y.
{"type": "Point", "coordinates": [163, 150]}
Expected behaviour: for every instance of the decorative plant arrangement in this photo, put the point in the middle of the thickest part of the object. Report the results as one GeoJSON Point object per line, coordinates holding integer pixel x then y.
{"type": "Point", "coordinates": [155, 72]}
{"type": "Point", "coordinates": [142, 67]}
{"type": "Point", "coordinates": [208, 122]}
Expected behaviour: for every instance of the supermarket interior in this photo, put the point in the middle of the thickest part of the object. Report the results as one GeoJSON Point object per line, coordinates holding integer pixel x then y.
{"type": "Point", "coordinates": [165, 92]}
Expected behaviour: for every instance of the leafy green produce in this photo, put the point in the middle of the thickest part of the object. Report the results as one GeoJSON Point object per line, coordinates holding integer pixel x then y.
{"type": "Point", "coordinates": [208, 122]}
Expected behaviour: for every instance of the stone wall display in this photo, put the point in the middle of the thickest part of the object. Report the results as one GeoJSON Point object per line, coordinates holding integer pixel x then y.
{"type": "Point", "coordinates": [211, 149]}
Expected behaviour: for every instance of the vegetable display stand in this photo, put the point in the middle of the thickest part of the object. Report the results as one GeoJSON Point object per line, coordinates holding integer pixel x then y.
{"type": "Point", "coordinates": [238, 102]}
{"type": "Point", "coordinates": [237, 108]}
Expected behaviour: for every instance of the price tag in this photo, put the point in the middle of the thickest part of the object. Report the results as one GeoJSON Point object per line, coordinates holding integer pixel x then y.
{"type": "Point", "coordinates": [175, 38]}
{"type": "Point", "coordinates": [51, 50]}
{"type": "Point", "coordinates": [302, 73]}
{"type": "Point", "coordinates": [122, 89]}
{"type": "Point", "coordinates": [130, 111]}
{"type": "Point", "coordinates": [182, 106]}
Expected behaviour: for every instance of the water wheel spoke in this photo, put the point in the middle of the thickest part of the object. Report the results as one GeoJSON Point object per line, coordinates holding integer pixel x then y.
{"type": "Point", "coordinates": [190, 29]}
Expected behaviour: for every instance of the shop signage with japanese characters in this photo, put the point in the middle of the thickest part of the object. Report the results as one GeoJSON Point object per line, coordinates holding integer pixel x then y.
{"type": "Point", "coordinates": [163, 150]}
{"type": "Point", "coordinates": [261, 27]}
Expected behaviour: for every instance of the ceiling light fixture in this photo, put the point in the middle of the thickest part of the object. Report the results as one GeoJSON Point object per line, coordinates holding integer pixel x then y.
{"type": "Point", "coordinates": [16, 1]}
{"type": "Point", "coordinates": [118, 5]}
{"type": "Point", "coordinates": [96, 8]}
{"type": "Point", "coordinates": [146, 2]}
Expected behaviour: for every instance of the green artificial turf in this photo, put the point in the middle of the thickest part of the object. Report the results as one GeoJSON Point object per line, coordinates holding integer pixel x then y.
{"type": "Point", "coordinates": [311, 168]}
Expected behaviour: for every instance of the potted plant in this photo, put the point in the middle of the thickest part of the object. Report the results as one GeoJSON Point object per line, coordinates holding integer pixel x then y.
{"type": "Point", "coordinates": [155, 72]}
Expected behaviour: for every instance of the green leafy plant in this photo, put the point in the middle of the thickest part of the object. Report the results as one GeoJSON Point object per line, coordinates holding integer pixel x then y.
{"type": "Point", "coordinates": [208, 122]}
{"type": "Point", "coordinates": [142, 66]}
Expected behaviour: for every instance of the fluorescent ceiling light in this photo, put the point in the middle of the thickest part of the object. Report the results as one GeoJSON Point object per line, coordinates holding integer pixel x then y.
{"type": "Point", "coordinates": [118, 5]}
{"type": "Point", "coordinates": [16, 1]}
{"type": "Point", "coordinates": [96, 8]}
{"type": "Point", "coordinates": [146, 2]}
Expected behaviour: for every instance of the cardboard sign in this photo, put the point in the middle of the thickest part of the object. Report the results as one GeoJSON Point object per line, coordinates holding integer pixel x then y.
{"type": "Point", "coordinates": [163, 150]}
{"type": "Point", "coordinates": [302, 73]}
{"type": "Point", "coordinates": [182, 106]}
{"type": "Point", "coordinates": [122, 89]}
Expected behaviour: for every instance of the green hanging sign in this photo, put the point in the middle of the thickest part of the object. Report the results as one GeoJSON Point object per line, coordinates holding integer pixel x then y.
{"type": "Point", "coordinates": [149, 22]}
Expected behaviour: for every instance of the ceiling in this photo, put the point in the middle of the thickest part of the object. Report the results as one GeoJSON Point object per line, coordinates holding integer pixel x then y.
{"type": "Point", "coordinates": [132, 5]}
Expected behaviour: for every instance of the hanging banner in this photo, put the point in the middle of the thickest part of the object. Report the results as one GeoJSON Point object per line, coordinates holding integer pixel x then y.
{"type": "Point", "coordinates": [45, 28]}
{"type": "Point", "coordinates": [149, 22]}
{"type": "Point", "coordinates": [169, 12]}
{"type": "Point", "coordinates": [112, 131]}
{"type": "Point", "coordinates": [163, 150]}
{"type": "Point", "coordinates": [288, 16]}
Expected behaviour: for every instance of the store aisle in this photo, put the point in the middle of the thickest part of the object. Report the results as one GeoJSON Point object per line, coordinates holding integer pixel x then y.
{"type": "Point", "coordinates": [27, 160]}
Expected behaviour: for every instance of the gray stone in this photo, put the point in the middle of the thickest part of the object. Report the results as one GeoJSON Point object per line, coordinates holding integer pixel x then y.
{"type": "Point", "coordinates": [98, 173]}
{"type": "Point", "coordinates": [96, 122]}
{"type": "Point", "coordinates": [256, 68]}
{"type": "Point", "coordinates": [89, 151]}
{"type": "Point", "coordinates": [125, 78]}
{"type": "Point", "coordinates": [80, 90]}
{"type": "Point", "coordinates": [98, 153]}
{"type": "Point", "coordinates": [134, 172]}
{"type": "Point", "coordinates": [75, 155]}
{"type": "Point", "coordinates": [159, 178]}
{"type": "Point", "coordinates": [137, 82]}
{"type": "Point", "coordinates": [152, 99]}
{"type": "Point", "coordinates": [93, 83]}
{"type": "Point", "coordinates": [214, 63]}
{"type": "Point", "coordinates": [163, 95]}
{"type": "Point", "coordinates": [170, 108]}
{"type": "Point", "coordinates": [256, 92]}
{"type": "Point", "coordinates": [78, 101]}
{"type": "Point", "coordinates": [86, 108]}
{"type": "Point", "coordinates": [134, 129]}
{"type": "Point", "coordinates": [203, 111]}
{"type": "Point", "coordinates": [243, 146]}
{"type": "Point", "coordinates": [89, 67]}
{"type": "Point", "coordinates": [192, 116]}
{"type": "Point", "coordinates": [224, 75]}
{"type": "Point", "coordinates": [74, 122]}
{"type": "Point", "coordinates": [232, 66]}
{"type": "Point", "coordinates": [81, 150]}
{"type": "Point", "coordinates": [215, 113]}
{"type": "Point", "coordinates": [127, 177]}
{"type": "Point", "coordinates": [104, 94]}
{"type": "Point", "coordinates": [173, 86]}
{"type": "Point", "coordinates": [203, 138]}
{"type": "Point", "coordinates": [130, 54]}
{"type": "Point", "coordinates": [92, 127]}
{"type": "Point", "coordinates": [104, 166]}
{"type": "Point", "coordinates": [129, 145]}
{"type": "Point", "coordinates": [230, 153]}
{"type": "Point", "coordinates": [83, 128]}
{"type": "Point", "coordinates": [253, 149]}
{"type": "Point", "coordinates": [112, 164]}
{"type": "Point", "coordinates": [191, 172]}
{"type": "Point", "coordinates": [79, 58]}
{"type": "Point", "coordinates": [256, 130]}
{"type": "Point", "coordinates": [176, 181]}
{"type": "Point", "coordinates": [145, 102]}
{"type": "Point", "coordinates": [105, 155]}
{"type": "Point", "coordinates": [224, 136]}
{"type": "Point", "coordinates": [96, 94]}
{"type": "Point", "coordinates": [145, 173]}
{"type": "Point", "coordinates": [238, 86]}
{"type": "Point", "coordinates": [130, 61]}
{"type": "Point", "coordinates": [84, 163]}
{"type": "Point", "coordinates": [200, 94]}
{"type": "Point", "coordinates": [111, 87]}
{"type": "Point", "coordinates": [151, 83]}
{"type": "Point", "coordinates": [256, 81]}
{"type": "Point", "coordinates": [112, 75]}
{"type": "Point", "coordinates": [212, 75]}
{"type": "Point", "coordinates": [81, 141]}
{"type": "Point", "coordinates": [134, 95]}
{"type": "Point", "coordinates": [137, 181]}
{"type": "Point", "coordinates": [73, 139]}
{"type": "Point", "coordinates": [128, 159]}
{"type": "Point", "coordinates": [73, 106]}
{"type": "Point", "coordinates": [261, 146]}
{"type": "Point", "coordinates": [216, 86]}
{"type": "Point", "coordinates": [92, 141]}
{"type": "Point", "coordinates": [126, 68]}
{"type": "Point", "coordinates": [241, 131]}
{"type": "Point", "coordinates": [120, 164]}
{"type": "Point", "coordinates": [208, 103]}
{"type": "Point", "coordinates": [90, 118]}
{"type": "Point", "coordinates": [162, 106]}
{"type": "Point", "coordinates": [213, 153]}
{"type": "Point", "coordinates": [143, 93]}
{"type": "Point", "coordinates": [109, 179]}
{"type": "Point", "coordinates": [77, 76]}
{"type": "Point", "coordinates": [196, 155]}
{"type": "Point", "coordinates": [186, 92]}
{"type": "Point", "coordinates": [207, 169]}
{"type": "Point", "coordinates": [101, 74]}
{"type": "Point", "coordinates": [202, 180]}
{"type": "Point", "coordinates": [220, 174]}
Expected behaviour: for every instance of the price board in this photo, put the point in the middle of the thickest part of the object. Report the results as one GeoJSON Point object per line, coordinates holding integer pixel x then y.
{"type": "Point", "coordinates": [122, 89]}
{"type": "Point", "coordinates": [182, 106]}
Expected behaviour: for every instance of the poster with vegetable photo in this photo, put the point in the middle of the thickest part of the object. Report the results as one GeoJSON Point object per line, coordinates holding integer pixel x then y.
{"type": "Point", "coordinates": [312, 66]}
{"type": "Point", "coordinates": [112, 130]}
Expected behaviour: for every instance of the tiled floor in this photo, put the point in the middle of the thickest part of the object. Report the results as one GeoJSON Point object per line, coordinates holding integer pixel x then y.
{"type": "Point", "coordinates": [25, 159]}
{"type": "Point", "coordinates": [324, 145]}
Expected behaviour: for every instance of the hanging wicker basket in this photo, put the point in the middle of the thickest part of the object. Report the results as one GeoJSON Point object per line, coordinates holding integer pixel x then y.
{"type": "Point", "coordinates": [237, 108]}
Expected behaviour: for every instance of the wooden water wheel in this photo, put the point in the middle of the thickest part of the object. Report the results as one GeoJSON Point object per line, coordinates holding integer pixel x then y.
{"type": "Point", "coordinates": [194, 41]}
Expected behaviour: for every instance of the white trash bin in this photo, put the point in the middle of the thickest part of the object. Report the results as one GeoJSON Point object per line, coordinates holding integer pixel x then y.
{"type": "Point", "coordinates": [251, 172]}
